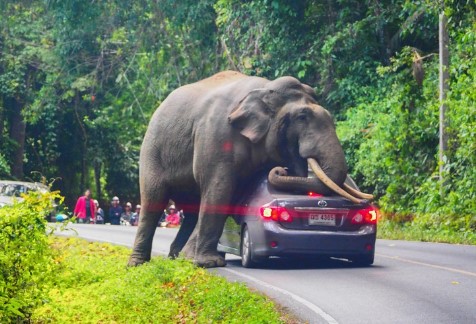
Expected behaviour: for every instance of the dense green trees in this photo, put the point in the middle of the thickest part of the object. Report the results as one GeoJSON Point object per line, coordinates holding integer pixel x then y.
{"type": "Point", "coordinates": [393, 134]}
{"type": "Point", "coordinates": [79, 81]}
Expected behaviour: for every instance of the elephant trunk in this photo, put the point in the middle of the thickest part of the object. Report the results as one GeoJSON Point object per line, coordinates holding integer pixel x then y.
{"type": "Point", "coordinates": [278, 178]}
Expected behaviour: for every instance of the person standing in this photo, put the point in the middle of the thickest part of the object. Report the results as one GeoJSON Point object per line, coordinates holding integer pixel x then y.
{"type": "Point", "coordinates": [99, 213]}
{"type": "Point", "coordinates": [173, 218]}
{"type": "Point", "coordinates": [85, 210]}
{"type": "Point", "coordinates": [126, 216]}
{"type": "Point", "coordinates": [135, 216]}
{"type": "Point", "coordinates": [115, 212]}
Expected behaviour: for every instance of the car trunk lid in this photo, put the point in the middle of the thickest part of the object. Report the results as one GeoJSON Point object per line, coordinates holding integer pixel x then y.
{"type": "Point", "coordinates": [319, 213]}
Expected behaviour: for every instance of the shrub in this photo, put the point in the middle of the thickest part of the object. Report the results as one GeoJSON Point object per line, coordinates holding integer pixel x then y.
{"type": "Point", "coordinates": [25, 257]}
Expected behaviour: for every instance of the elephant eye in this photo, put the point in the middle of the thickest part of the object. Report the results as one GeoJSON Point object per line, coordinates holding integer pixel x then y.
{"type": "Point", "coordinates": [302, 117]}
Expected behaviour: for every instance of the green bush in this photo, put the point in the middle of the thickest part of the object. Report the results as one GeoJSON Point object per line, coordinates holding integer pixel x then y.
{"type": "Point", "coordinates": [25, 256]}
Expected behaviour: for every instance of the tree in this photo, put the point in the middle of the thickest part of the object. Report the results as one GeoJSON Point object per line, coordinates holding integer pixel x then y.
{"type": "Point", "coordinates": [22, 31]}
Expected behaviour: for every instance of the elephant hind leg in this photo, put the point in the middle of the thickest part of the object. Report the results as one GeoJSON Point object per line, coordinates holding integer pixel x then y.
{"type": "Point", "coordinates": [153, 204]}
{"type": "Point", "coordinates": [202, 244]}
{"type": "Point", "coordinates": [186, 229]}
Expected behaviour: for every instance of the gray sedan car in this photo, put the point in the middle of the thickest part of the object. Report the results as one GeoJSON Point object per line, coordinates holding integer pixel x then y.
{"type": "Point", "coordinates": [272, 223]}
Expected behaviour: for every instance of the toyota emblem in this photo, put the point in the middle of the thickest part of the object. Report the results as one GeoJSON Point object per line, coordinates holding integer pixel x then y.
{"type": "Point", "coordinates": [322, 203]}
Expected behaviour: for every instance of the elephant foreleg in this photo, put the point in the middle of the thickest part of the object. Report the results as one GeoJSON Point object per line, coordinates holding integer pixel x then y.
{"type": "Point", "coordinates": [214, 208]}
{"type": "Point", "coordinates": [202, 244]}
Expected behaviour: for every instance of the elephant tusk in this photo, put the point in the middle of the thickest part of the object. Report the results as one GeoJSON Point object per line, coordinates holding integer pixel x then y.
{"type": "Point", "coordinates": [357, 193]}
{"type": "Point", "coordinates": [316, 168]}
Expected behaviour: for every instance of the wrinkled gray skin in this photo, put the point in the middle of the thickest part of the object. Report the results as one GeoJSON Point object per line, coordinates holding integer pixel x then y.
{"type": "Point", "coordinates": [207, 139]}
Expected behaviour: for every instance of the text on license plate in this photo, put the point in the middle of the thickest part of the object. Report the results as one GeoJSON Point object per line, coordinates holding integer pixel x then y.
{"type": "Point", "coordinates": [322, 219]}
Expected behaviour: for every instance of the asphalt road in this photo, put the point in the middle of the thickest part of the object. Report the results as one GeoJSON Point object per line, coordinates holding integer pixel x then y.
{"type": "Point", "coordinates": [410, 282]}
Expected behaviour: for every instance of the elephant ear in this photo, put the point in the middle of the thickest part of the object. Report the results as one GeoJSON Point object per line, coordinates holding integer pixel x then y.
{"type": "Point", "coordinates": [253, 114]}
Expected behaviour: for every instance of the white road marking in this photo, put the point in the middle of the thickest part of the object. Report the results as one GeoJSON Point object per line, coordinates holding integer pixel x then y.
{"type": "Point", "coordinates": [427, 264]}
{"type": "Point", "coordinates": [328, 318]}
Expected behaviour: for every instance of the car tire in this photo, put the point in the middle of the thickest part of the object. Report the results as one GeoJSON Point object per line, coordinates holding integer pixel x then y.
{"type": "Point", "coordinates": [247, 260]}
{"type": "Point", "coordinates": [364, 260]}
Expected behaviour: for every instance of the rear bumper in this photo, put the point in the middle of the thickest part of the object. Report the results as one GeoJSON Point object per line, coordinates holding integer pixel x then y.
{"type": "Point", "coordinates": [297, 242]}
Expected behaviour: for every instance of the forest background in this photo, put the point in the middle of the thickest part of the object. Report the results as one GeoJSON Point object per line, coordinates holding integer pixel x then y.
{"type": "Point", "coordinates": [80, 79]}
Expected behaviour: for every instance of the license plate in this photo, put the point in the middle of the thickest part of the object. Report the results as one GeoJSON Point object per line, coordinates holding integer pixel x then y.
{"type": "Point", "coordinates": [322, 219]}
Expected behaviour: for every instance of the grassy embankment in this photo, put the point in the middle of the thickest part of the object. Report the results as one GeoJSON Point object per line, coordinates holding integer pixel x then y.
{"type": "Point", "coordinates": [93, 285]}
{"type": "Point", "coordinates": [409, 231]}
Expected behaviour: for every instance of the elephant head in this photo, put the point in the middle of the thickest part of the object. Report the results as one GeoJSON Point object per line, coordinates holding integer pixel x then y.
{"type": "Point", "coordinates": [294, 130]}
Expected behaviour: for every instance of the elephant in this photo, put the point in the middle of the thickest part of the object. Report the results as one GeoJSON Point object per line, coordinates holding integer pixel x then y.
{"type": "Point", "coordinates": [208, 139]}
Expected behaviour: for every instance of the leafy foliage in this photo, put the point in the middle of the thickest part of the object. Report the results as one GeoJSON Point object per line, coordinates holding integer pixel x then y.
{"type": "Point", "coordinates": [26, 260]}
{"type": "Point", "coordinates": [80, 80]}
{"type": "Point", "coordinates": [4, 167]}
{"type": "Point", "coordinates": [393, 137]}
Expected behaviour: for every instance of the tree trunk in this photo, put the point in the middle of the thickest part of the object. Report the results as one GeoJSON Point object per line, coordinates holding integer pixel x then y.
{"type": "Point", "coordinates": [84, 144]}
{"type": "Point", "coordinates": [444, 87]}
{"type": "Point", "coordinates": [97, 178]}
{"type": "Point", "coordinates": [331, 19]}
{"type": "Point", "coordinates": [2, 121]}
{"type": "Point", "coordinates": [17, 135]}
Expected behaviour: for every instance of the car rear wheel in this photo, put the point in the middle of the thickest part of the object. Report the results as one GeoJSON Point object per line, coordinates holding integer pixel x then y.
{"type": "Point", "coordinates": [247, 259]}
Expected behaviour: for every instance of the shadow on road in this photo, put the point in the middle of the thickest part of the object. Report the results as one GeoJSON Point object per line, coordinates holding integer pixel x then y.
{"type": "Point", "coordinates": [305, 263]}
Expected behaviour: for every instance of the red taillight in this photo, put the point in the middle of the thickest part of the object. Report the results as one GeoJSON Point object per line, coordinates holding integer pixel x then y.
{"type": "Point", "coordinates": [275, 213]}
{"type": "Point", "coordinates": [367, 215]}
{"type": "Point", "coordinates": [313, 194]}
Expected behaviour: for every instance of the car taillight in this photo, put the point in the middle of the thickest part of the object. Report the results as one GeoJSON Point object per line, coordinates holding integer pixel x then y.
{"type": "Point", "coordinates": [275, 213]}
{"type": "Point", "coordinates": [314, 194]}
{"type": "Point", "coordinates": [367, 215]}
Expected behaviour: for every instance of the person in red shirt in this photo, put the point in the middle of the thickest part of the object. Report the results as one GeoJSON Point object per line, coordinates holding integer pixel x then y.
{"type": "Point", "coordinates": [85, 209]}
{"type": "Point", "coordinates": [173, 218]}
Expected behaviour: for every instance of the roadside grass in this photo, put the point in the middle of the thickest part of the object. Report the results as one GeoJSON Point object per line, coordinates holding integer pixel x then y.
{"type": "Point", "coordinates": [392, 230]}
{"type": "Point", "coordinates": [93, 285]}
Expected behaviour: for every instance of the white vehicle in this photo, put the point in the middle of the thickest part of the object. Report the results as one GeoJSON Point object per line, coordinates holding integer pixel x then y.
{"type": "Point", "coordinates": [12, 190]}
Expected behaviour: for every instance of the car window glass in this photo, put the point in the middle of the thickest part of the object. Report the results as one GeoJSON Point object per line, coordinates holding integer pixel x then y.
{"type": "Point", "coordinates": [14, 190]}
